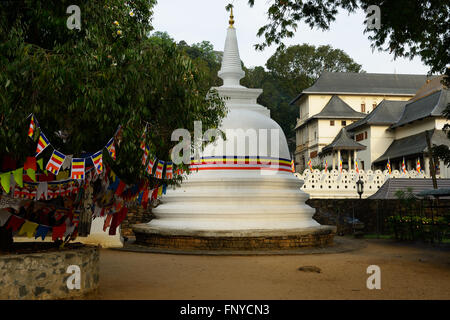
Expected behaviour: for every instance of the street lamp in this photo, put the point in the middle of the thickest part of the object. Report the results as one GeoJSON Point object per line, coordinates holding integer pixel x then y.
{"type": "Point", "coordinates": [360, 187]}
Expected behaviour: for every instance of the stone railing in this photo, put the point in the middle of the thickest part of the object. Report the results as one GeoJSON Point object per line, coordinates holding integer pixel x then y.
{"type": "Point", "coordinates": [340, 185]}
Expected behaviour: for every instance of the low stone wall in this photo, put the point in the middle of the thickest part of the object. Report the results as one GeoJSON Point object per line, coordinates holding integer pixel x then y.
{"type": "Point", "coordinates": [316, 237]}
{"type": "Point", "coordinates": [373, 213]}
{"type": "Point", "coordinates": [44, 275]}
{"type": "Point", "coordinates": [135, 216]}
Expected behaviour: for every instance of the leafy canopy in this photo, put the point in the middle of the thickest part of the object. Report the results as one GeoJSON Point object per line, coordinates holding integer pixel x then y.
{"type": "Point", "coordinates": [86, 82]}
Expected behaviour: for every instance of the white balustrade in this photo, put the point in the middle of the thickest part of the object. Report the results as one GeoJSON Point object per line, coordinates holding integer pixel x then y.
{"type": "Point", "coordinates": [341, 185]}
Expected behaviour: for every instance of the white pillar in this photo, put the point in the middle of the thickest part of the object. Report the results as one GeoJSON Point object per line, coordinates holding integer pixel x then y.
{"type": "Point", "coordinates": [427, 166]}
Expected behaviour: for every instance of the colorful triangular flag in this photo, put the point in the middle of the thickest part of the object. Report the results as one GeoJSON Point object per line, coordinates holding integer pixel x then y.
{"type": "Point", "coordinates": [42, 144]}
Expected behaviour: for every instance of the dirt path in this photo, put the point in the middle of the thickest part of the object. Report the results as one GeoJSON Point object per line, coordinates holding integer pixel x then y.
{"type": "Point", "coordinates": [407, 272]}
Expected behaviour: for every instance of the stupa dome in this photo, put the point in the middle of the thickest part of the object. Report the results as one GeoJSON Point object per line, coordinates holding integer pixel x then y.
{"type": "Point", "coordinates": [242, 188]}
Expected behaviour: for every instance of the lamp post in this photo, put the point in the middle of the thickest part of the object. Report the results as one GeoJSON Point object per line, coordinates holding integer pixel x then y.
{"type": "Point", "coordinates": [360, 190]}
{"type": "Point", "coordinates": [360, 187]}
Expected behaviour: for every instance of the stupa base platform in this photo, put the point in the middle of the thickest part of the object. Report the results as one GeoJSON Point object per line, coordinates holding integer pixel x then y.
{"type": "Point", "coordinates": [235, 240]}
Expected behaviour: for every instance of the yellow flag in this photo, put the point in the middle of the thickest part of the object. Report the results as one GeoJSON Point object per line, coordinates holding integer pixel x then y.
{"type": "Point", "coordinates": [28, 228]}
{"type": "Point", "coordinates": [5, 179]}
{"type": "Point", "coordinates": [18, 176]}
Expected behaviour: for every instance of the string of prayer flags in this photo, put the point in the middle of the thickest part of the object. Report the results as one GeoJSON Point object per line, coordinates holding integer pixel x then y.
{"type": "Point", "coordinates": [97, 159]}
{"type": "Point", "coordinates": [42, 144]}
{"type": "Point", "coordinates": [159, 169]}
{"type": "Point", "coordinates": [41, 231]}
{"type": "Point", "coordinates": [169, 170]}
{"type": "Point", "coordinates": [78, 168]}
{"type": "Point", "coordinates": [28, 229]}
{"type": "Point", "coordinates": [111, 149]}
{"type": "Point", "coordinates": [55, 162]}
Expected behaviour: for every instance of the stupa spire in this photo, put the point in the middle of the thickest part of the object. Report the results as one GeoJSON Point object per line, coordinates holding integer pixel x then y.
{"type": "Point", "coordinates": [231, 71]}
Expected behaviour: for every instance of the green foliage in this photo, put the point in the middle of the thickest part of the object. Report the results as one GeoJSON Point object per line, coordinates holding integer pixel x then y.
{"type": "Point", "coordinates": [86, 82]}
{"type": "Point", "coordinates": [291, 70]}
{"type": "Point", "coordinates": [409, 28]}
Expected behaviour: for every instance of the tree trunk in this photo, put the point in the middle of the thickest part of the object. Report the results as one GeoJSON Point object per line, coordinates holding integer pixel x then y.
{"type": "Point", "coordinates": [6, 239]}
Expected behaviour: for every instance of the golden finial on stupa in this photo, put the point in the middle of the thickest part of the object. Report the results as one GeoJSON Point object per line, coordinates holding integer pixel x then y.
{"type": "Point", "coordinates": [231, 18]}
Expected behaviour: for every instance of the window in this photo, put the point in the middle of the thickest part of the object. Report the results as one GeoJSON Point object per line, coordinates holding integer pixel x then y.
{"type": "Point", "coordinates": [315, 135]}
{"type": "Point", "coordinates": [359, 137]}
{"type": "Point", "coordinates": [365, 135]}
{"type": "Point", "coordinates": [363, 107]}
{"type": "Point", "coordinates": [362, 165]}
{"type": "Point", "coordinates": [332, 123]}
{"type": "Point", "coordinates": [344, 123]}
{"type": "Point", "coordinates": [374, 105]}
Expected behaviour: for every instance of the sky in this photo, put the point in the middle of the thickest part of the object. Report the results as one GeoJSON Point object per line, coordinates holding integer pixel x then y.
{"type": "Point", "coordinates": [197, 20]}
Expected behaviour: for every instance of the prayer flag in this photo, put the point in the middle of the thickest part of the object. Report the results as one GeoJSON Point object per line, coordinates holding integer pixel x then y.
{"type": "Point", "coordinates": [28, 229]}
{"type": "Point", "coordinates": [111, 148]}
{"type": "Point", "coordinates": [403, 165]}
{"type": "Point", "coordinates": [55, 162]}
{"type": "Point", "coordinates": [418, 168]}
{"type": "Point", "coordinates": [388, 166]}
{"type": "Point", "coordinates": [150, 165]}
{"type": "Point", "coordinates": [32, 127]}
{"type": "Point", "coordinates": [145, 155]}
{"type": "Point", "coordinates": [77, 168]}
{"type": "Point", "coordinates": [169, 170]}
{"type": "Point", "coordinates": [310, 165]}
{"type": "Point", "coordinates": [292, 166]}
{"type": "Point", "coordinates": [159, 169]}
{"type": "Point", "coordinates": [42, 144]}
{"type": "Point", "coordinates": [41, 231]}
{"type": "Point", "coordinates": [97, 159]}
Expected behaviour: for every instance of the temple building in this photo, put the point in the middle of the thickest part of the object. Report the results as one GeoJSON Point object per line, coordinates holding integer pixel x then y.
{"type": "Point", "coordinates": [238, 197]}
{"type": "Point", "coordinates": [339, 99]}
{"type": "Point", "coordinates": [397, 131]}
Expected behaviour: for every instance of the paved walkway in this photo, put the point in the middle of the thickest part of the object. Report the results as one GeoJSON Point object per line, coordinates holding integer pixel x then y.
{"type": "Point", "coordinates": [407, 272]}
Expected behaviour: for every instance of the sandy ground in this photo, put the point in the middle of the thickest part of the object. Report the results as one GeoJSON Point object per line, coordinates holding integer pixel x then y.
{"type": "Point", "coordinates": [407, 272]}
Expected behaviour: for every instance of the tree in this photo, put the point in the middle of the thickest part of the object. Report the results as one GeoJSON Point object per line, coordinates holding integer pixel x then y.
{"type": "Point", "coordinates": [86, 82]}
{"type": "Point", "coordinates": [408, 28]}
{"type": "Point", "coordinates": [290, 70]}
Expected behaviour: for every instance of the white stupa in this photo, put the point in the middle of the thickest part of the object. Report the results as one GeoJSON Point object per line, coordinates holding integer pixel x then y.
{"type": "Point", "coordinates": [236, 196]}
